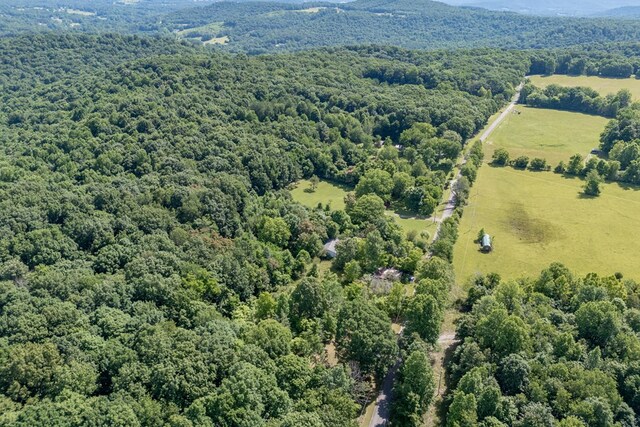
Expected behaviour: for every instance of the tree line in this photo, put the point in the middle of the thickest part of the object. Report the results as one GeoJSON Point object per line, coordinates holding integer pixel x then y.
{"type": "Point", "coordinates": [578, 99]}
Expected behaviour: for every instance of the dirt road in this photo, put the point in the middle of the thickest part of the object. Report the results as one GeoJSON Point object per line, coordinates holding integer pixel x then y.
{"type": "Point", "coordinates": [488, 131]}
{"type": "Point", "coordinates": [447, 340]}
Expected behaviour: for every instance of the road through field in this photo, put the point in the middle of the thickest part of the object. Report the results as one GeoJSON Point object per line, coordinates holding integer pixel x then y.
{"type": "Point", "coordinates": [381, 411]}
{"type": "Point", "coordinates": [451, 203]}
{"type": "Point", "coordinates": [487, 133]}
{"type": "Point", "coordinates": [447, 340]}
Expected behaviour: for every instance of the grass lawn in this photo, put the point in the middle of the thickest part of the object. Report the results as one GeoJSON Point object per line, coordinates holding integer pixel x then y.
{"type": "Point", "coordinates": [326, 192]}
{"type": "Point", "coordinates": [539, 218]}
{"type": "Point", "coordinates": [602, 85]}
{"type": "Point", "coordinates": [550, 134]}
{"type": "Point", "coordinates": [217, 40]}
{"type": "Point", "coordinates": [333, 194]}
{"type": "Point", "coordinates": [418, 224]}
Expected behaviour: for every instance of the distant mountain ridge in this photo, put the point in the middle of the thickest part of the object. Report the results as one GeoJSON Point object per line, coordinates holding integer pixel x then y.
{"type": "Point", "coordinates": [628, 12]}
{"type": "Point", "coordinates": [550, 7]}
{"type": "Point", "coordinates": [260, 27]}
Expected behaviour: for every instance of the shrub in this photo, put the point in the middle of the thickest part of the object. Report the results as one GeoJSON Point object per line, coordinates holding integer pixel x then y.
{"type": "Point", "coordinates": [521, 162]}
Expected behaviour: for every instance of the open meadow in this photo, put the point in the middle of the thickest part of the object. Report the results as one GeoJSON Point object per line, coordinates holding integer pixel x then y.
{"type": "Point", "coordinates": [325, 192]}
{"type": "Point", "coordinates": [604, 86]}
{"type": "Point", "coordinates": [550, 134]}
{"type": "Point", "coordinates": [538, 218]}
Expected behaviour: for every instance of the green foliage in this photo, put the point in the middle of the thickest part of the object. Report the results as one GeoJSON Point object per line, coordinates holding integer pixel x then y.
{"type": "Point", "coordinates": [500, 157]}
{"type": "Point", "coordinates": [580, 99]}
{"type": "Point", "coordinates": [598, 321]}
{"type": "Point", "coordinates": [549, 344]}
{"type": "Point", "coordinates": [274, 230]}
{"type": "Point", "coordinates": [463, 411]}
{"type": "Point", "coordinates": [592, 185]}
{"type": "Point", "coordinates": [424, 316]}
{"type": "Point", "coordinates": [153, 263]}
{"type": "Point", "coordinates": [363, 335]}
{"type": "Point", "coordinates": [377, 182]}
{"type": "Point", "coordinates": [538, 164]}
{"type": "Point", "coordinates": [432, 25]}
{"type": "Point", "coordinates": [413, 390]}
{"type": "Point", "coordinates": [366, 209]}
{"type": "Point", "coordinates": [521, 162]}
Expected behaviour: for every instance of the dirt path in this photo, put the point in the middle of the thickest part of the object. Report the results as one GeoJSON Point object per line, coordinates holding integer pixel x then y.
{"type": "Point", "coordinates": [450, 206]}
{"type": "Point", "coordinates": [446, 345]}
{"type": "Point", "coordinates": [447, 340]}
{"type": "Point", "coordinates": [451, 203]}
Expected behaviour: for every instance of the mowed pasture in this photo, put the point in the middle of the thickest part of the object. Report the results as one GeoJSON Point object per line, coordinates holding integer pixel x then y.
{"type": "Point", "coordinates": [549, 134]}
{"type": "Point", "coordinates": [603, 85]}
{"type": "Point", "coordinates": [537, 218]}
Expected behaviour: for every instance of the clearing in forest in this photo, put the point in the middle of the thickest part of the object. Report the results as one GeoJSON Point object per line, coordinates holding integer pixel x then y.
{"type": "Point", "coordinates": [217, 40]}
{"type": "Point", "coordinates": [549, 134]}
{"type": "Point", "coordinates": [327, 192]}
{"type": "Point", "coordinates": [603, 85]}
{"type": "Point", "coordinates": [537, 218]}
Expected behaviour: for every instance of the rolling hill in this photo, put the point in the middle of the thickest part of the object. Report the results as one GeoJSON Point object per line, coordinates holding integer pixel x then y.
{"type": "Point", "coordinates": [548, 7]}
{"type": "Point", "coordinates": [627, 12]}
{"type": "Point", "coordinates": [266, 27]}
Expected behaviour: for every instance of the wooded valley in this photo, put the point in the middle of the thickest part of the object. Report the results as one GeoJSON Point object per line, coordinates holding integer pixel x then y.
{"type": "Point", "coordinates": [160, 264]}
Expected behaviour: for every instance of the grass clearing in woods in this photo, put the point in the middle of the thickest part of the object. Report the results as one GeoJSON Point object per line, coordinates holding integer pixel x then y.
{"type": "Point", "coordinates": [217, 40]}
{"type": "Point", "coordinates": [326, 192]}
{"type": "Point", "coordinates": [537, 218]}
{"type": "Point", "coordinates": [603, 85]}
{"type": "Point", "coordinates": [334, 194]}
{"type": "Point", "coordinates": [549, 134]}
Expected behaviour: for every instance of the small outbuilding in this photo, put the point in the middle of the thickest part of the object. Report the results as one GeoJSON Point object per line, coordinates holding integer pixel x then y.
{"type": "Point", "coordinates": [486, 244]}
{"type": "Point", "coordinates": [330, 248]}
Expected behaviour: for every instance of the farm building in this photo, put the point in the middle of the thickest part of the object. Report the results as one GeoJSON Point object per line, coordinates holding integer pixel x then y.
{"type": "Point", "coordinates": [330, 248]}
{"type": "Point", "coordinates": [486, 243]}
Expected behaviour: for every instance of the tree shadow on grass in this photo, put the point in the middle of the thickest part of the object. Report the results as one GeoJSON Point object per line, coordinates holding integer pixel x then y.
{"type": "Point", "coordinates": [571, 177]}
{"type": "Point", "coordinates": [627, 186]}
{"type": "Point", "coordinates": [584, 196]}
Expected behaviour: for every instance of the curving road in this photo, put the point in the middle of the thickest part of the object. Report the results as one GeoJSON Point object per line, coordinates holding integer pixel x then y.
{"type": "Point", "coordinates": [381, 412]}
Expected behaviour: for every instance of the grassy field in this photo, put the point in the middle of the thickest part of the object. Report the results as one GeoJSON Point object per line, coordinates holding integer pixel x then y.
{"type": "Point", "coordinates": [326, 192]}
{"type": "Point", "coordinates": [333, 194]}
{"type": "Point", "coordinates": [417, 224]}
{"type": "Point", "coordinates": [602, 85]}
{"type": "Point", "coordinates": [212, 28]}
{"type": "Point", "coordinates": [550, 134]}
{"type": "Point", "coordinates": [539, 218]}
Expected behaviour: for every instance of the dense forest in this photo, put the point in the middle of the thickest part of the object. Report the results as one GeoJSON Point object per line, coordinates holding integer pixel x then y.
{"type": "Point", "coordinates": [155, 270]}
{"type": "Point", "coordinates": [556, 350]}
